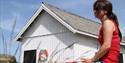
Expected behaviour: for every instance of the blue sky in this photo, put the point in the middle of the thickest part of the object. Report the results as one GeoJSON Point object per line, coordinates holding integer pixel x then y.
{"type": "Point", "coordinates": [24, 9]}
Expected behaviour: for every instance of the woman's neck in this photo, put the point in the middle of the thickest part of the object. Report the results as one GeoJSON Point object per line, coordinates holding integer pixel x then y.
{"type": "Point", "coordinates": [103, 18]}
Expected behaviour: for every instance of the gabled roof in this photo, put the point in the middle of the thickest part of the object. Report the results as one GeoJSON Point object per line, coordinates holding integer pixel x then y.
{"type": "Point", "coordinates": [74, 23]}
{"type": "Point", "coordinates": [77, 22]}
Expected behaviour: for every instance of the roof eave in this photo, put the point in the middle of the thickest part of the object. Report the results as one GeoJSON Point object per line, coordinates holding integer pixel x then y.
{"type": "Point", "coordinates": [28, 24]}
{"type": "Point", "coordinates": [88, 34]}
{"type": "Point", "coordinates": [122, 44]}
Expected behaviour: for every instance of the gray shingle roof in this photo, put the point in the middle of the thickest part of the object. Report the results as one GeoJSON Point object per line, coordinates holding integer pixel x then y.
{"type": "Point", "coordinates": [75, 21]}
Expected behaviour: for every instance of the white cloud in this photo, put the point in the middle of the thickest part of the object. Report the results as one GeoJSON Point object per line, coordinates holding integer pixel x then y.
{"type": "Point", "coordinates": [16, 4]}
{"type": "Point", "coordinates": [24, 6]}
{"type": "Point", "coordinates": [74, 3]}
{"type": "Point", "coordinates": [6, 24]}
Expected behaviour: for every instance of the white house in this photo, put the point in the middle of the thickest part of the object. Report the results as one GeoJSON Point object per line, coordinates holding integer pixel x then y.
{"type": "Point", "coordinates": [53, 35]}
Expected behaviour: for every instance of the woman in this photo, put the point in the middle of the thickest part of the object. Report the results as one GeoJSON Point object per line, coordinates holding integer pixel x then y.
{"type": "Point", "coordinates": [109, 34]}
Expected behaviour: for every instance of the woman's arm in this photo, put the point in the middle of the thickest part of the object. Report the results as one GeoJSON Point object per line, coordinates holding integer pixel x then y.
{"type": "Point", "coordinates": [108, 28]}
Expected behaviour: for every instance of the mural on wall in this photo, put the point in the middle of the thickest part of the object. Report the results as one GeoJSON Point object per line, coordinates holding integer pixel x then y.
{"type": "Point", "coordinates": [43, 55]}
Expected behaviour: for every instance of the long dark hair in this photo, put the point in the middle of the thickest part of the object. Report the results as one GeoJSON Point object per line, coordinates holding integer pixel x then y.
{"type": "Point", "coordinates": [107, 6]}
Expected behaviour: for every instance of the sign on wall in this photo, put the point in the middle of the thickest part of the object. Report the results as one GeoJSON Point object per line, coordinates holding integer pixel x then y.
{"type": "Point", "coordinates": [43, 55]}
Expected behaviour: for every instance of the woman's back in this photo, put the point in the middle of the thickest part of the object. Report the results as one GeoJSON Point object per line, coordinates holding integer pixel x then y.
{"type": "Point", "coordinates": [113, 53]}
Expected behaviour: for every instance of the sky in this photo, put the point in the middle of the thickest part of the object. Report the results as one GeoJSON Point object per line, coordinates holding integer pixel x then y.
{"type": "Point", "coordinates": [22, 11]}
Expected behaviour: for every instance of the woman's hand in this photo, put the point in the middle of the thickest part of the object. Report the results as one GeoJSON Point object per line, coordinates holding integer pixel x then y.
{"type": "Point", "coordinates": [87, 60]}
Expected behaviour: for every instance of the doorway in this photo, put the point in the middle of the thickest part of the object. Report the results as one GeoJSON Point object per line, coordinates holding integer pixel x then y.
{"type": "Point", "coordinates": [30, 56]}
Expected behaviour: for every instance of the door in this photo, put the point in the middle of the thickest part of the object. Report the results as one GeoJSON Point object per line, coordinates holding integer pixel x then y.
{"type": "Point", "coordinates": [30, 56]}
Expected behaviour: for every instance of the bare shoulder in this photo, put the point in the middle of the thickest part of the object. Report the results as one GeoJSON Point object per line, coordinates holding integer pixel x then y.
{"type": "Point", "coordinates": [108, 24]}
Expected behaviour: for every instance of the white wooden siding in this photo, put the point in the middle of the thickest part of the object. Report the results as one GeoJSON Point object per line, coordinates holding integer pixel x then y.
{"type": "Point", "coordinates": [47, 33]}
{"type": "Point", "coordinates": [51, 41]}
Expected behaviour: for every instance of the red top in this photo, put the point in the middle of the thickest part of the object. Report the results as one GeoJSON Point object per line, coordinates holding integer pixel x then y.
{"type": "Point", "coordinates": [113, 53]}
